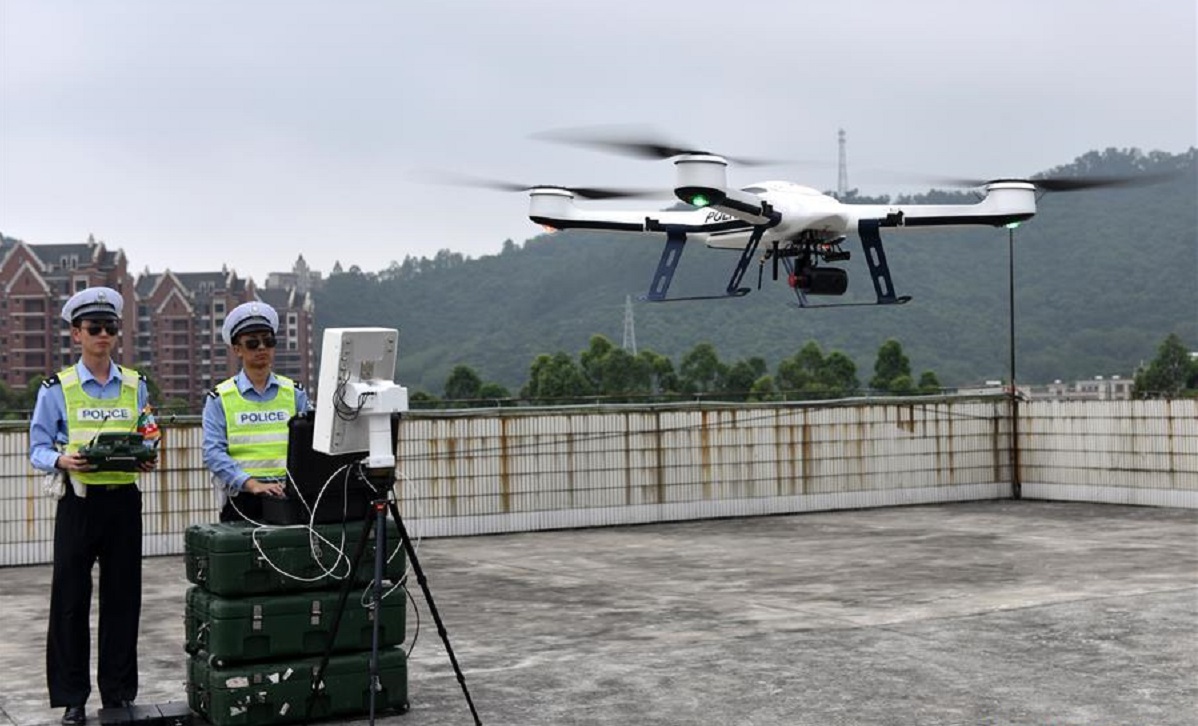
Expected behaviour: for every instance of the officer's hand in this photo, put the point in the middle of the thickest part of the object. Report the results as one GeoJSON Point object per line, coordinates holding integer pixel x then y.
{"type": "Point", "coordinates": [270, 489]}
{"type": "Point", "coordinates": [74, 462]}
{"type": "Point", "coordinates": [148, 465]}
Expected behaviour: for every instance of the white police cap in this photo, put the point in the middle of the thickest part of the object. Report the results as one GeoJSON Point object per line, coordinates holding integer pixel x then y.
{"type": "Point", "coordinates": [253, 315]}
{"type": "Point", "coordinates": [94, 302]}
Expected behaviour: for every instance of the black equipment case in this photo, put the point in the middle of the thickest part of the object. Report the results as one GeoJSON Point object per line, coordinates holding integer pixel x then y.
{"type": "Point", "coordinates": [323, 488]}
{"type": "Point", "coordinates": [263, 694]}
{"type": "Point", "coordinates": [276, 627]}
{"type": "Point", "coordinates": [237, 558]}
{"type": "Point", "coordinates": [162, 714]}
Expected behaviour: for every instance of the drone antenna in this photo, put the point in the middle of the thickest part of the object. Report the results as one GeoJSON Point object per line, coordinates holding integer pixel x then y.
{"type": "Point", "coordinates": [103, 422]}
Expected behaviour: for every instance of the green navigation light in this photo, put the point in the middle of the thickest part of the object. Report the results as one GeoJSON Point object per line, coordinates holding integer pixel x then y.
{"type": "Point", "coordinates": [700, 201]}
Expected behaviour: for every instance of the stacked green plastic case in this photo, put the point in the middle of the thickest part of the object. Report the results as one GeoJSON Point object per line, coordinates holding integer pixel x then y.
{"type": "Point", "coordinates": [235, 559]}
{"type": "Point", "coordinates": [251, 694]}
{"type": "Point", "coordinates": [269, 627]}
{"type": "Point", "coordinates": [260, 617]}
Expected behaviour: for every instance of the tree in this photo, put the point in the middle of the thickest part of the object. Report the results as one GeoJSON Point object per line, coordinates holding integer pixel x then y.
{"type": "Point", "coordinates": [663, 379]}
{"type": "Point", "coordinates": [929, 384]}
{"type": "Point", "coordinates": [423, 399]}
{"type": "Point", "coordinates": [614, 372]}
{"type": "Point", "coordinates": [591, 359]}
{"type": "Point", "coordinates": [902, 386]}
{"type": "Point", "coordinates": [1168, 373]}
{"type": "Point", "coordinates": [700, 369]}
{"type": "Point", "coordinates": [763, 390]}
{"type": "Point", "coordinates": [556, 379]}
{"type": "Point", "coordinates": [800, 372]}
{"type": "Point", "coordinates": [736, 382]}
{"type": "Point", "coordinates": [890, 365]}
{"type": "Point", "coordinates": [491, 392]}
{"type": "Point", "coordinates": [463, 384]}
{"type": "Point", "coordinates": [838, 375]}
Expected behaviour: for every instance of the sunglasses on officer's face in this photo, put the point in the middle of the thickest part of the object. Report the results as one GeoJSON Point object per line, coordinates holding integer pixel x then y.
{"type": "Point", "coordinates": [269, 341]}
{"type": "Point", "coordinates": [108, 326]}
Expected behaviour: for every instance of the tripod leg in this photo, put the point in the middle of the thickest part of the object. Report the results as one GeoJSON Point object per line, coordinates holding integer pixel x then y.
{"type": "Point", "coordinates": [380, 556]}
{"type": "Point", "coordinates": [410, 551]}
{"type": "Point", "coordinates": [346, 586]}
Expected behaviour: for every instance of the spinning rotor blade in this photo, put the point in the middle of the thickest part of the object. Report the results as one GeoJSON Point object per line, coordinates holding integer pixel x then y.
{"type": "Point", "coordinates": [1078, 183]}
{"type": "Point", "coordinates": [1069, 183]}
{"type": "Point", "coordinates": [597, 193]}
{"type": "Point", "coordinates": [638, 142]}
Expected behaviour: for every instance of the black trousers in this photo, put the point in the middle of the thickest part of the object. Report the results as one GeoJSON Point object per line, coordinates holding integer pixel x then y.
{"type": "Point", "coordinates": [105, 527]}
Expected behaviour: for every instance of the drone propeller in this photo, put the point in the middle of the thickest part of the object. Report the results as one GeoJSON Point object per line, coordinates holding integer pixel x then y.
{"type": "Point", "coordinates": [640, 142]}
{"type": "Point", "coordinates": [595, 193]}
{"type": "Point", "coordinates": [1072, 183]}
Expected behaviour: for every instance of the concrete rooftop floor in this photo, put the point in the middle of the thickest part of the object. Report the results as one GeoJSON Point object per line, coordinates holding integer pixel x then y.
{"type": "Point", "coordinates": [1000, 612]}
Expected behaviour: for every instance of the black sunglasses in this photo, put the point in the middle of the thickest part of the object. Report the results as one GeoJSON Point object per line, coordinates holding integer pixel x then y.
{"type": "Point", "coordinates": [269, 341]}
{"type": "Point", "coordinates": [109, 326]}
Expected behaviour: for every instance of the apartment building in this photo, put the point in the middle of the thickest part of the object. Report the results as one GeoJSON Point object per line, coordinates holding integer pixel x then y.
{"type": "Point", "coordinates": [172, 320]}
{"type": "Point", "coordinates": [35, 282]}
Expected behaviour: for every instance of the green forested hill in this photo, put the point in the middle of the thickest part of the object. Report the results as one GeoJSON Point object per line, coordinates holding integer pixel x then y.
{"type": "Point", "coordinates": [1101, 278]}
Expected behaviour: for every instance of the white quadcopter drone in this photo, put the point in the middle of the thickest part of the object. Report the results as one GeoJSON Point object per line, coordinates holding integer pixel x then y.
{"type": "Point", "coordinates": [801, 227]}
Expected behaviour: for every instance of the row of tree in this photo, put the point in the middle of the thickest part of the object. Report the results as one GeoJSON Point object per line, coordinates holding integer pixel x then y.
{"type": "Point", "coordinates": [607, 372]}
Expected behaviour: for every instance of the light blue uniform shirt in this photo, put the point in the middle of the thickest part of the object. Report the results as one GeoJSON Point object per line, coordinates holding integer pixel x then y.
{"type": "Point", "coordinates": [228, 477]}
{"type": "Point", "coordinates": [48, 429]}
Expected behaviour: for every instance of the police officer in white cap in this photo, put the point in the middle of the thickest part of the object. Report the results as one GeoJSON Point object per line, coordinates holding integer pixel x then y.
{"type": "Point", "coordinates": [99, 513]}
{"type": "Point", "coordinates": [245, 417]}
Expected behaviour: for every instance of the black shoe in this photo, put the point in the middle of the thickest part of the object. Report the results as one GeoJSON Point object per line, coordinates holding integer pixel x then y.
{"type": "Point", "coordinates": [74, 716]}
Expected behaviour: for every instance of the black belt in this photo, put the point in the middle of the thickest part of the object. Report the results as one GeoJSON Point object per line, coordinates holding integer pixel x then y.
{"type": "Point", "coordinates": [98, 488]}
{"type": "Point", "coordinates": [106, 488]}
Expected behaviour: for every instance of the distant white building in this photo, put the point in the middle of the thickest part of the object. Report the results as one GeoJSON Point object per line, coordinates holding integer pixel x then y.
{"type": "Point", "coordinates": [1099, 388]}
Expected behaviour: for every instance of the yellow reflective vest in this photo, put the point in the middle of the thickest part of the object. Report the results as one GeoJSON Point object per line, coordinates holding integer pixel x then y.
{"type": "Point", "coordinates": [87, 417]}
{"type": "Point", "coordinates": [257, 430]}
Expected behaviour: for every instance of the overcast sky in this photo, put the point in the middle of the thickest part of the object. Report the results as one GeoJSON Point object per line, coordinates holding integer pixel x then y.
{"type": "Point", "coordinates": [192, 134]}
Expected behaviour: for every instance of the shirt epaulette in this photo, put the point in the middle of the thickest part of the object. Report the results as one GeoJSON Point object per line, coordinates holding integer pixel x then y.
{"type": "Point", "coordinates": [299, 386]}
{"type": "Point", "coordinates": [212, 393]}
{"type": "Point", "coordinates": [51, 381]}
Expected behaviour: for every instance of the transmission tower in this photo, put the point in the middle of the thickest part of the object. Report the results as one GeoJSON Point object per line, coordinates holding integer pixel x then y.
{"type": "Point", "coordinates": [629, 326]}
{"type": "Point", "coordinates": [842, 180]}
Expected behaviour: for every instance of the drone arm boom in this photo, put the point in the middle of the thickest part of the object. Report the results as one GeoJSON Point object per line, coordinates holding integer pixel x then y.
{"type": "Point", "coordinates": [555, 209]}
{"type": "Point", "coordinates": [1005, 202]}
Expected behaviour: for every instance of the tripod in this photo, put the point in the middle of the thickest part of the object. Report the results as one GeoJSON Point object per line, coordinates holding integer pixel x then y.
{"type": "Point", "coordinates": [379, 482]}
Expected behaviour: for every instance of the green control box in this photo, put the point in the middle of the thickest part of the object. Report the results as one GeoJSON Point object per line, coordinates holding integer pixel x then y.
{"type": "Point", "coordinates": [274, 627]}
{"type": "Point", "coordinates": [278, 692]}
{"type": "Point", "coordinates": [237, 558]}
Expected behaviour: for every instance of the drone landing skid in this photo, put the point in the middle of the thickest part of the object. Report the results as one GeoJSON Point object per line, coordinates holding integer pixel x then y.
{"type": "Point", "coordinates": [875, 258]}
{"type": "Point", "coordinates": [739, 292]}
{"type": "Point", "coordinates": [802, 304]}
{"type": "Point", "coordinates": [668, 264]}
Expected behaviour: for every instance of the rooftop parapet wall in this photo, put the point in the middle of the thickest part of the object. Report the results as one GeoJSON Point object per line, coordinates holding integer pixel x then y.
{"type": "Point", "coordinates": [504, 470]}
